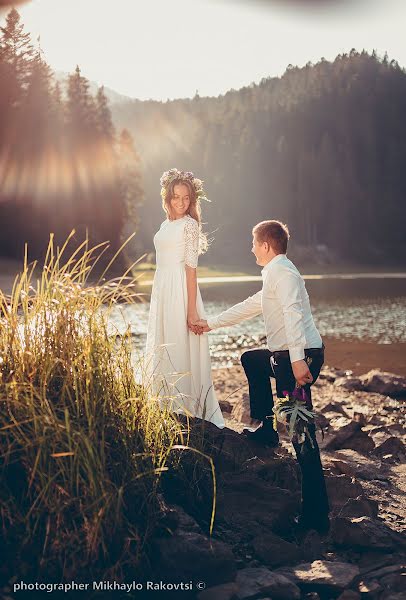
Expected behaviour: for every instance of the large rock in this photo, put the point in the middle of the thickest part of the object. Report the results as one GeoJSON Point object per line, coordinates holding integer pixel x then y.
{"type": "Point", "coordinates": [274, 551]}
{"type": "Point", "coordinates": [340, 488]}
{"type": "Point", "coordinates": [225, 591]}
{"type": "Point", "coordinates": [354, 464]}
{"type": "Point", "coordinates": [393, 446]}
{"type": "Point", "coordinates": [256, 582]}
{"type": "Point", "coordinates": [189, 555]}
{"type": "Point", "coordinates": [360, 507]}
{"type": "Point", "coordinates": [352, 384]}
{"type": "Point", "coordinates": [247, 503]}
{"type": "Point", "coordinates": [228, 449]}
{"type": "Point", "coordinates": [384, 383]}
{"type": "Point", "coordinates": [395, 582]}
{"type": "Point", "coordinates": [360, 442]}
{"type": "Point", "coordinates": [349, 595]}
{"type": "Point", "coordinates": [365, 533]}
{"type": "Point", "coordinates": [280, 470]}
{"type": "Point", "coordinates": [323, 575]}
{"type": "Point", "coordinates": [340, 430]}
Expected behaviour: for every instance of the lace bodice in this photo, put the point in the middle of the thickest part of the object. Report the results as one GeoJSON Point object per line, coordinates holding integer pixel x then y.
{"type": "Point", "coordinates": [177, 242]}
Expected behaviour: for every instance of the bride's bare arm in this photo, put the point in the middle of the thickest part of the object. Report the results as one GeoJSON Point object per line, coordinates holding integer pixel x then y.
{"type": "Point", "coordinates": [191, 285]}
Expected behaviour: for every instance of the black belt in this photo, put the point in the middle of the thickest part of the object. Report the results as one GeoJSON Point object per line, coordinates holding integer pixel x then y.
{"type": "Point", "coordinates": [308, 352]}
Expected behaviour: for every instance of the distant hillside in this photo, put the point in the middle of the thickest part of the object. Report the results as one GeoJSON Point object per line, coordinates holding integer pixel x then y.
{"type": "Point", "coordinates": [323, 148]}
{"type": "Point", "coordinates": [112, 96]}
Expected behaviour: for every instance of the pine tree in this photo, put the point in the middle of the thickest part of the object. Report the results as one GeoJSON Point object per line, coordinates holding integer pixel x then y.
{"type": "Point", "coordinates": [16, 49]}
{"type": "Point", "coordinates": [104, 120]}
{"type": "Point", "coordinates": [131, 189]}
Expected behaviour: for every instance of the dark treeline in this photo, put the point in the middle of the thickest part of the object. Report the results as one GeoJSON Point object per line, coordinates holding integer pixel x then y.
{"type": "Point", "coordinates": [62, 165]}
{"type": "Point", "coordinates": [322, 148]}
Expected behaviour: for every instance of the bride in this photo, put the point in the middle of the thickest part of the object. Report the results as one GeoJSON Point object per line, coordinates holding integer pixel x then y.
{"type": "Point", "coordinates": [178, 358]}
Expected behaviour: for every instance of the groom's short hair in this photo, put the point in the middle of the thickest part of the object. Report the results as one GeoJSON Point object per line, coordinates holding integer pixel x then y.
{"type": "Point", "coordinates": [273, 232]}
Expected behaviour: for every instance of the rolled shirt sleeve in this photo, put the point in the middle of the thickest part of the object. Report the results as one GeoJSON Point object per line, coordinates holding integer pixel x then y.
{"type": "Point", "coordinates": [287, 291]}
{"type": "Point", "coordinates": [249, 308]}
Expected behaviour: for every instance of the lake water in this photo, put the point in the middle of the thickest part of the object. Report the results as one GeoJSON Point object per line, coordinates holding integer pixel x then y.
{"type": "Point", "coordinates": [355, 307]}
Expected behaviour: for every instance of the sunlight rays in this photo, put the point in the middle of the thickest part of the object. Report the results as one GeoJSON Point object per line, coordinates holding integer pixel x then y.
{"type": "Point", "coordinates": [56, 172]}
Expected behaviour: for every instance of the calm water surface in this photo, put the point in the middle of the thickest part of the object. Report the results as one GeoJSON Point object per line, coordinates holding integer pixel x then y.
{"type": "Point", "coordinates": [371, 309]}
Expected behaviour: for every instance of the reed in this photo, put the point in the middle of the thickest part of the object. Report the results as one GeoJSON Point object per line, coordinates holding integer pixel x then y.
{"type": "Point", "coordinates": [83, 446]}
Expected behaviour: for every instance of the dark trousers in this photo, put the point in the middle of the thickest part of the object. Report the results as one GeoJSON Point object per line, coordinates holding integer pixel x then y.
{"type": "Point", "coordinates": [259, 369]}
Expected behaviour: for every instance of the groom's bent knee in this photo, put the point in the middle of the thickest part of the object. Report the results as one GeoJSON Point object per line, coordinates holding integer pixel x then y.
{"type": "Point", "coordinates": [247, 360]}
{"type": "Point", "coordinates": [256, 360]}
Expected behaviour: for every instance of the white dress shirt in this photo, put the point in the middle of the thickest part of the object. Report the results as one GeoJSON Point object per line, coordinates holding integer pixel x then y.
{"type": "Point", "coordinates": [284, 303]}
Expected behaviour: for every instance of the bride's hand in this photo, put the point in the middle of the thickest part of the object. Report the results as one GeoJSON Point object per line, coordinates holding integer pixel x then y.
{"type": "Point", "coordinates": [192, 323]}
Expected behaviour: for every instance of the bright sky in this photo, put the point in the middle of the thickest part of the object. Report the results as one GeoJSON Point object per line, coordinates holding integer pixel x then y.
{"type": "Point", "coordinates": [171, 48]}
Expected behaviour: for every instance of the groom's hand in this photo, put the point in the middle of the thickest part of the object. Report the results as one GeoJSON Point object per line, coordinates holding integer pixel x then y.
{"type": "Point", "coordinates": [203, 324]}
{"type": "Point", "coordinates": [301, 372]}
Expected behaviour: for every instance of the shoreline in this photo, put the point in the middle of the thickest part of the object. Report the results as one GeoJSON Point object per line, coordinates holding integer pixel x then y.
{"type": "Point", "coordinates": [358, 356]}
{"type": "Point", "coordinates": [361, 356]}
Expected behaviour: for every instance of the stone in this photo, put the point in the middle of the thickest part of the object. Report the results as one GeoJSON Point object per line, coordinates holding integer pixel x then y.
{"type": "Point", "coordinates": [384, 383]}
{"type": "Point", "coordinates": [189, 555]}
{"type": "Point", "coordinates": [280, 471]}
{"type": "Point", "coordinates": [349, 595]}
{"type": "Point", "coordinates": [328, 374]}
{"type": "Point", "coordinates": [360, 442]}
{"type": "Point", "coordinates": [364, 532]}
{"type": "Point", "coordinates": [384, 571]}
{"type": "Point", "coordinates": [395, 582]}
{"type": "Point", "coordinates": [340, 488]}
{"type": "Point", "coordinates": [247, 503]}
{"type": "Point", "coordinates": [226, 447]}
{"type": "Point", "coordinates": [360, 507]}
{"type": "Point", "coordinates": [372, 560]}
{"type": "Point", "coordinates": [336, 408]}
{"type": "Point", "coordinates": [370, 588]}
{"type": "Point", "coordinates": [357, 465]}
{"type": "Point", "coordinates": [225, 591]}
{"type": "Point", "coordinates": [352, 384]}
{"type": "Point", "coordinates": [226, 406]}
{"type": "Point", "coordinates": [330, 575]}
{"type": "Point", "coordinates": [274, 551]}
{"type": "Point", "coordinates": [340, 430]}
{"type": "Point", "coordinates": [256, 582]}
{"type": "Point", "coordinates": [393, 446]}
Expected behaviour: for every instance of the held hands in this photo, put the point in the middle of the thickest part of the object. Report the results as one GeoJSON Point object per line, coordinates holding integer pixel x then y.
{"type": "Point", "coordinates": [203, 324]}
{"type": "Point", "coordinates": [301, 372]}
{"type": "Point", "coordinates": [197, 325]}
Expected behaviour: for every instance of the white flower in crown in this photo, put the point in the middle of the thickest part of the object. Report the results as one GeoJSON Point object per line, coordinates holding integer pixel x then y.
{"type": "Point", "coordinates": [175, 175]}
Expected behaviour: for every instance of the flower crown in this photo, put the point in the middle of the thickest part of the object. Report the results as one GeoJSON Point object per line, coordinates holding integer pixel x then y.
{"type": "Point", "coordinates": [175, 175]}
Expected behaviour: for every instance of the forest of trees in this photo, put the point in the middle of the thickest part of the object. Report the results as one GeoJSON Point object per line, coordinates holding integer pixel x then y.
{"type": "Point", "coordinates": [62, 164]}
{"type": "Point", "coordinates": [321, 148]}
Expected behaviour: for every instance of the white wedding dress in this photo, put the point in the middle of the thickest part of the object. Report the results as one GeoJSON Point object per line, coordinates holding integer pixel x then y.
{"type": "Point", "coordinates": [178, 361]}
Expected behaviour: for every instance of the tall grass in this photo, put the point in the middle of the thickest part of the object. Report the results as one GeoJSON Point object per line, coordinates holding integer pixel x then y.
{"type": "Point", "coordinates": [82, 445]}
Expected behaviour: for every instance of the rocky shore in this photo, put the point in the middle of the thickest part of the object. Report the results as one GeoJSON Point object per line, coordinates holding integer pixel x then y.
{"type": "Point", "coordinates": [255, 551]}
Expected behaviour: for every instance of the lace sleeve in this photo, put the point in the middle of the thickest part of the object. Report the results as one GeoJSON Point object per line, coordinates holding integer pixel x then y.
{"type": "Point", "coordinates": [191, 242]}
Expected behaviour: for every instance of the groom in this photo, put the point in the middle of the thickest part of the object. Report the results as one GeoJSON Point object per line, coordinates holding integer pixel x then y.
{"type": "Point", "coordinates": [292, 338]}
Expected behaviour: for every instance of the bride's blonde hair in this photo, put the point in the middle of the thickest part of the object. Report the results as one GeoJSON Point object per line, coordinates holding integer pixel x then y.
{"type": "Point", "coordinates": [194, 210]}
